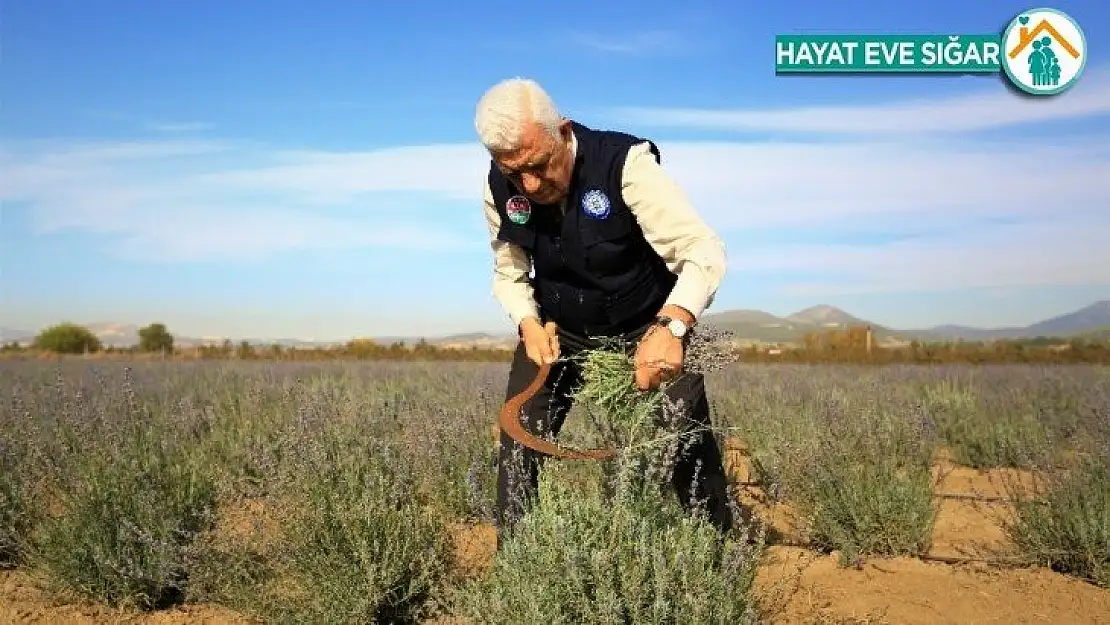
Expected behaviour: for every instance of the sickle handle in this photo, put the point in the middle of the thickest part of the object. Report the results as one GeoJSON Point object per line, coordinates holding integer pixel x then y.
{"type": "Point", "coordinates": [511, 425]}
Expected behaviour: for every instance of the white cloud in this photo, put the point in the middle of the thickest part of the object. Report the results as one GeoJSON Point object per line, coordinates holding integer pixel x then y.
{"type": "Point", "coordinates": [255, 233]}
{"type": "Point", "coordinates": [1069, 250]}
{"type": "Point", "coordinates": [632, 44]}
{"type": "Point", "coordinates": [180, 127]}
{"type": "Point", "coordinates": [447, 171]}
{"type": "Point", "coordinates": [160, 200]}
{"type": "Point", "coordinates": [924, 183]}
{"type": "Point", "coordinates": [990, 107]}
{"type": "Point", "coordinates": [220, 200]}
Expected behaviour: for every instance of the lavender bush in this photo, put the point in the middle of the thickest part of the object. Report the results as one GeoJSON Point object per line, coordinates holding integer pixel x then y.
{"type": "Point", "coordinates": [358, 543]}
{"type": "Point", "coordinates": [1066, 525]}
{"type": "Point", "coordinates": [18, 512]}
{"type": "Point", "coordinates": [130, 494]}
{"type": "Point", "coordinates": [869, 492]}
{"type": "Point", "coordinates": [619, 547]}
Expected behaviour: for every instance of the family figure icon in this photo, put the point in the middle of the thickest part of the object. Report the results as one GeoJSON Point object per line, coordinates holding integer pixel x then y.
{"type": "Point", "coordinates": [1044, 67]}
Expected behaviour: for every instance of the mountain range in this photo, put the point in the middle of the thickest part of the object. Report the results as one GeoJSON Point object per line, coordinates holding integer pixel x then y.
{"type": "Point", "coordinates": [756, 325]}
{"type": "Point", "coordinates": [745, 326]}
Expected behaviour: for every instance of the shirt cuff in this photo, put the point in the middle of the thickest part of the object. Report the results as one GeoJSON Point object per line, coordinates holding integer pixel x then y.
{"type": "Point", "coordinates": [517, 303]}
{"type": "Point", "coordinates": [519, 313]}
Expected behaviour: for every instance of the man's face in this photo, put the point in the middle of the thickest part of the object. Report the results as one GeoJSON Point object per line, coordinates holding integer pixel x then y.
{"type": "Point", "coordinates": [542, 167]}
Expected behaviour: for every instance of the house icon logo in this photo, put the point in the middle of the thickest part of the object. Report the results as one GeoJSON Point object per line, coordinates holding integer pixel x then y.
{"type": "Point", "coordinates": [1043, 51]}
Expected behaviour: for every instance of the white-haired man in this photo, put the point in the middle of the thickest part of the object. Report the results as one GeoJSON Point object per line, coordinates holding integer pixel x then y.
{"type": "Point", "coordinates": [616, 251]}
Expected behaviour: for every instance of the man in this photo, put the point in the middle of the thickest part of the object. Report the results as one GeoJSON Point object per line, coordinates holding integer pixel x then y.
{"type": "Point", "coordinates": [617, 251]}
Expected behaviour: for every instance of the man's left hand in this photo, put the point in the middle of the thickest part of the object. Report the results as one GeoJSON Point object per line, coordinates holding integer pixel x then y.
{"type": "Point", "coordinates": [658, 357]}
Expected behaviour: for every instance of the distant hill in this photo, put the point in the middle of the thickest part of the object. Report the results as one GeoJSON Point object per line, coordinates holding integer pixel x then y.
{"type": "Point", "coordinates": [1100, 334]}
{"type": "Point", "coordinates": [7, 335]}
{"type": "Point", "coordinates": [1087, 319]}
{"type": "Point", "coordinates": [744, 324]}
{"type": "Point", "coordinates": [115, 334]}
{"type": "Point", "coordinates": [825, 316]}
{"type": "Point", "coordinates": [476, 339]}
{"type": "Point", "coordinates": [756, 325]}
{"type": "Point", "coordinates": [760, 326]}
{"type": "Point", "coordinates": [1094, 316]}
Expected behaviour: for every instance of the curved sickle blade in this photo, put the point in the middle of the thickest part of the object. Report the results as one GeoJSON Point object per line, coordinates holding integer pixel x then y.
{"type": "Point", "coordinates": [511, 425]}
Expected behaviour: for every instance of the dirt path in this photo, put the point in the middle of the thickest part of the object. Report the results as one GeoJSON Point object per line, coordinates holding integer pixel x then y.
{"type": "Point", "coordinates": [805, 588]}
{"type": "Point", "coordinates": [802, 586]}
{"type": "Point", "coordinates": [21, 601]}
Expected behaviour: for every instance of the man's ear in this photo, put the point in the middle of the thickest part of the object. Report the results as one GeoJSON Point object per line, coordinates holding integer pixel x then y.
{"type": "Point", "coordinates": [565, 129]}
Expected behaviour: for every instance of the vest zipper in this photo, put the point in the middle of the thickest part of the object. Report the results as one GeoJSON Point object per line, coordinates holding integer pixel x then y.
{"type": "Point", "coordinates": [581, 309]}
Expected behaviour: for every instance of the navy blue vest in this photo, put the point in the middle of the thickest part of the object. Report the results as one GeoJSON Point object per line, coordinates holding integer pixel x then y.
{"type": "Point", "coordinates": [594, 272]}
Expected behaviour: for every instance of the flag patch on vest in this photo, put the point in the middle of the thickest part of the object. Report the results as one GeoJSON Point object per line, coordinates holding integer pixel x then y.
{"type": "Point", "coordinates": [595, 204]}
{"type": "Point", "coordinates": [519, 209]}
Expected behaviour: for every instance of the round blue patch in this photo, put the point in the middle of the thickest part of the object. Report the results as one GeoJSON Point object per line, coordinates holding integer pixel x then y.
{"type": "Point", "coordinates": [595, 204]}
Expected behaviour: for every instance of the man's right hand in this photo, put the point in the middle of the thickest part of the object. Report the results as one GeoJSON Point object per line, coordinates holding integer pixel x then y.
{"type": "Point", "coordinates": [541, 343]}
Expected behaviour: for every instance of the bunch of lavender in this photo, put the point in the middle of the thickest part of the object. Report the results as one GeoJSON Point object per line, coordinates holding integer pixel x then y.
{"type": "Point", "coordinates": [634, 416]}
{"type": "Point", "coordinates": [608, 386]}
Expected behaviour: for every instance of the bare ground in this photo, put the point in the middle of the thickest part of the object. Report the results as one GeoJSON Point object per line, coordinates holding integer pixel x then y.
{"type": "Point", "coordinates": [22, 601]}
{"type": "Point", "coordinates": [796, 584]}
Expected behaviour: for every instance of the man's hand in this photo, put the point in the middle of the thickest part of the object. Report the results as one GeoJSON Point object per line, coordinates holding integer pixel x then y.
{"type": "Point", "coordinates": [541, 343]}
{"type": "Point", "coordinates": [660, 354]}
{"type": "Point", "coordinates": [658, 357]}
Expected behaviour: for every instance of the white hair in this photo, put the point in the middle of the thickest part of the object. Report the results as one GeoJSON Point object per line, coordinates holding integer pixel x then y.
{"type": "Point", "coordinates": [506, 107]}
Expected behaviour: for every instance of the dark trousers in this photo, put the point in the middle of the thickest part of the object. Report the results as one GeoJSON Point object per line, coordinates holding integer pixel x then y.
{"type": "Point", "coordinates": [543, 415]}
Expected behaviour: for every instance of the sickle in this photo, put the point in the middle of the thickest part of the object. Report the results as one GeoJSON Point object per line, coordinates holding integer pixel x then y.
{"type": "Point", "coordinates": [510, 424]}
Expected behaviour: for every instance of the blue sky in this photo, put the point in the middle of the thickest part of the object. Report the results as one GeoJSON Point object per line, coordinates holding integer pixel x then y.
{"type": "Point", "coordinates": [293, 169]}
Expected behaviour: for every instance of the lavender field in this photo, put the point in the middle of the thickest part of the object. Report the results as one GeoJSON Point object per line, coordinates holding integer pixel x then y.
{"type": "Point", "coordinates": [338, 492]}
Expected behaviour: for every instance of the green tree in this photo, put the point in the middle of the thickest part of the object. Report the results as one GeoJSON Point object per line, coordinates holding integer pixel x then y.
{"type": "Point", "coordinates": [68, 338]}
{"type": "Point", "coordinates": [155, 338]}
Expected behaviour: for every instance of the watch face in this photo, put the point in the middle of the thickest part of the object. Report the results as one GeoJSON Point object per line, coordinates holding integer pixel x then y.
{"type": "Point", "coordinates": [677, 328]}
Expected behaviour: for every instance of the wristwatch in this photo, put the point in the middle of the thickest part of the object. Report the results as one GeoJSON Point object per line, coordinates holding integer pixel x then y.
{"type": "Point", "coordinates": [676, 326]}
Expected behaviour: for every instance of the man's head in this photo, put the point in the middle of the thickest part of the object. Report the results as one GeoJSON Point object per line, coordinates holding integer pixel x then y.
{"type": "Point", "coordinates": [527, 138]}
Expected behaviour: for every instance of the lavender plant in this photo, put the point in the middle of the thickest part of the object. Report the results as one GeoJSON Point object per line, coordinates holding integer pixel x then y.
{"type": "Point", "coordinates": [358, 543]}
{"type": "Point", "coordinates": [1065, 524]}
{"type": "Point", "coordinates": [130, 505]}
{"type": "Point", "coordinates": [581, 557]}
{"type": "Point", "coordinates": [981, 438]}
{"type": "Point", "coordinates": [620, 551]}
{"type": "Point", "coordinates": [860, 480]}
{"type": "Point", "coordinates": [1067, 527]}
{"type": "Point", "coordinates": [18, 512]}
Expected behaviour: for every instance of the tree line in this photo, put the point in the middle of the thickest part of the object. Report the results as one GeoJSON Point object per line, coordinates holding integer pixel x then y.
{"type": "Point", "coordinates": [851, 345]}
{"type": "Point", "coordinates": [848, 346]}
{"type": "Point", "coordinates": [156, 340]}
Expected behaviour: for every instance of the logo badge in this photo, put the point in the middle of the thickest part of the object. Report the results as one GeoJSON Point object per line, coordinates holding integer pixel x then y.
{"type": "Point", "coordinates": [595, 204]}
{"type": "Point", "coordinates": [519, 209]}
{"type": "Point", "coordinates": [1043, 51]}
